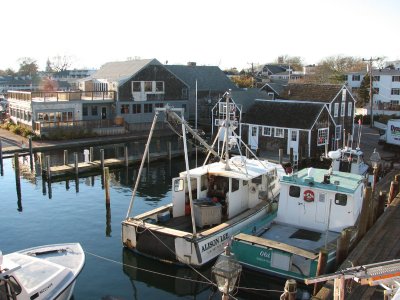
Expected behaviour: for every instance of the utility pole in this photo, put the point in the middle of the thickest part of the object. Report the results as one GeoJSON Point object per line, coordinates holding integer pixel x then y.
{"type": "Point", "coordinates": [371, 95]}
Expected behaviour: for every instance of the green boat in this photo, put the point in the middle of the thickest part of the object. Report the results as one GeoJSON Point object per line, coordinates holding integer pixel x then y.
{"type": "Point", "coordinates": [314, 206]}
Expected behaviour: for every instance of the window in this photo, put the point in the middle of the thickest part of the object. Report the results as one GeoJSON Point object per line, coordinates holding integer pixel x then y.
{"type": "Point", "coordinates": [322, 136]}
{"type": "Point", "coordinates": [349, 109]}
{"type": "Point", "coordinates": [257, 180]}
{"type": "Point", "coordinates": [159, 105]}
{"type": "Point", "coordinates": [338, 132]}
{"type": "Point", "coordinates": [344, 93]}
{"type": "Point", "coordinates": [266, 131]}
{"type": "Point", "coordinates": [178, 185]}
{"type": "Point", "coordinates": [279, 132]}
{"type": "Point", "coordinates": [376, 91]}
{"type": "Point", "coordinates": [376, 78]}
{"type": "Point", "coordinates": [136, 86]}
{"type": "Point", "coordinates": [294, 191]}
{"type": "Point", "coordinates": [345, 77]}
{"type": "Point", "coordinates": [184, 93]}
{"type": "Point", "coordinates": [341, 199]}
{"type": "Point", "coordinates": [395, 78]}
{"type": "Point", "coordinates": [124, 109]}
{"type": "Point", "coordinates": [148, 108]}
{"type": "Point", "coordinates": [342, 109]}
{"type": "Point", "coordinates": [94, 110]}
{"type": "Point", "coordinates": [356, 77]}
{"type": "Point", "coordinates": [148, 86]}
{"type": "Point", "coordinates": [293, 135]}
{"type": "Point", "coordinates": [216, 122]}
{"type": "Point", "coordinates": [84, 110]}
{"type": "Point", "coordinates": [159, 86]}
{"type": "Point", "coordinates": [235, 184]}
{"type": "Point", "coordinates": [136, 108]}
{"type": "Point", "coordinates": [336, 110]}
{"type": "Point", "coordinates": [395, 92]}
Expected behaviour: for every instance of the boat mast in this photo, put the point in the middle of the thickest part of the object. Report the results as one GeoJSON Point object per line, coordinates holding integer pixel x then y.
{"type": "Point", "coordinates": [227, 123]}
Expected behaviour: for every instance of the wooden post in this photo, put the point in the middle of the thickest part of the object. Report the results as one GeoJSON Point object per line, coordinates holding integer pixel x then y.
{"type": "Point", "coordinates": [76, 165]}
{"type": "Point", "coordinates": [91, 154]}
{"type": "Point", "coordinates": [169, 150]}
{"type": "Point", "coordinates": [107, 185]}
{"type": "Point", "coordinates": [291, 156]}
{"type": "Point", "coordinates": [322, 260]}
{"type": "Point", "coordinates": [280, 155]}
{"type": "Point", "coordinates": [66, 161]}
{"type": "Point", "coordinates": [362, 226]}
{"type": "Point", "coordinates": [17, 176]}
{"type": "Point", "coordinates": [290, 289]}
{"type": "Point", "coordinates": [48, 168]}
{"type": "Point", "coordinates": [394, 189]}
{"type": "Point", "coordinates": [42, 163]}
{"type": "Point", "coordinates": [339, 288]}
{"type": "Point", "coordinates": [371, 210]}
{"type": "Point", "coordinates": [1, 160]}
{"type": "Point", "coordinates": [67, 184]}
{"type": "Point", "coordinates": [148, 156]}
{"type": "Point", "coordinates": [342, 246]}
{"type": "Point", "coordinates": [126, 156]}
{"type": "Point", "coordinates": [102, 159]}
{"type": "Point", "coordinates": [31, 153]}
{"type": "Point", "coordinates": [381, 204]}
{"type": "Point", "coordinates": [375, 178]}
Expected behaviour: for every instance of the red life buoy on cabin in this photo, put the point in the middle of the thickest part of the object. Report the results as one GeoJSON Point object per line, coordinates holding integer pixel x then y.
{"type": "Point", "coordinates": [308, 196]}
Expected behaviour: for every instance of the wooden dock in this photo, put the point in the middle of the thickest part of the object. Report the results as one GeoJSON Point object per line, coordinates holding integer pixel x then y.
{"type": "Point", "coordinates": [380, 243]}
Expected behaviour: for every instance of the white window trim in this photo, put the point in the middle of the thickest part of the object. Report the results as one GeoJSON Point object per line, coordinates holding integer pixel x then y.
{"type": "Point", "coordinates": [342, 109]}
{"type": "Point", "coordinates": [216, 122]}
{"type": "Point", "coordinates": [279, 135]}
{"type": "Point", "coordinates": [326, 137]}
{"type": "Point", "coordinates": [336, 110]}
{"type": "Point", "coordinates": [349, 109]}
{"type": "Point", "coordinates": [265, 128]}
{"type": "Point", "coordinates": [338, 132]}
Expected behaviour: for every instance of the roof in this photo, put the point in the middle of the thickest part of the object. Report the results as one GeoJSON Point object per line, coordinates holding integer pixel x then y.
{"type": "Point", "coordinates": [274, 69]}
{"type": "Point", "coordinates": [348, 182]}
{"type": "Point", "coordinates": [121, 71]}
{"type": "Point", "coordinates": [208, 77]}
{"type": "Point", "coordinates": [377, 72]}
{"type": "Point", "coordinates": [311, 92]}
{"type": "Point", "coordinates": [247, 97]}
{"type": "Point", "coordinates": [275, 87]}
{"type": "Point", "coordinates": [285, 114]}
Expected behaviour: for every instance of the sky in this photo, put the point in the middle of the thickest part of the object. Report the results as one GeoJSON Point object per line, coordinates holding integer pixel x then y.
{"type": "Point", "coordinates": [224, 33]}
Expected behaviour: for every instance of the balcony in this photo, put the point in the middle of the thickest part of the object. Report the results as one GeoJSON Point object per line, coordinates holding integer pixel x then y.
{"type": "Point", "coordinates": [56, 96]}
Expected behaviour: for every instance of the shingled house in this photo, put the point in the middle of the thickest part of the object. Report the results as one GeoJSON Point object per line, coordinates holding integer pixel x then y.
{"type": "Point", "coordinates": [337, 98]}
{"type": "Point", "coordinates": [273, 124]}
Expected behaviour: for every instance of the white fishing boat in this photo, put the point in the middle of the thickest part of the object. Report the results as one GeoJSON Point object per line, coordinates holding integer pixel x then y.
{"type": "Point", "coordinates": [222, 198]}
{"type": "Point", "coordinates": [314, 206]}
{"type": "Point", "coordinates": [349, 160]}
{"type": "Point", "coordinates": [44, 272]}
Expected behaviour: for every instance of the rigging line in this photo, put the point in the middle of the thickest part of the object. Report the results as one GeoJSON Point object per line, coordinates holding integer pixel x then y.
{"type": "Point", "coordinates": [150, 271]}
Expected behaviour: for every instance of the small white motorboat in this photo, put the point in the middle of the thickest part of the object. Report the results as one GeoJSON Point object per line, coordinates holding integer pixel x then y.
{"type": "Point", "coordinates": [44, 272]}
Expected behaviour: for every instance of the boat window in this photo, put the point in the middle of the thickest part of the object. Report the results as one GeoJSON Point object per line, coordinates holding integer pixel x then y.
{"type": "Point", "coordinates": [245, 182]}
{"type": "Point", "coordinates": [294, 191]}
{"type": "Point", "coordinates": [178, 185]}
{"type": "Point", "coordinates": [204, 184]}
{"type": "Point", "coordinates": [10, 284]}
{"type": "Point", "coordinates": [235, 184]}
{"type": "Point", "coordinates": [341, 199]}
{"type": "Point", "coordinates": [257, 180]}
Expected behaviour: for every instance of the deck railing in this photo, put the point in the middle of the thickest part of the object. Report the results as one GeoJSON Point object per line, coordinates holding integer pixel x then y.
{"type": "Point", "coordinates": [43, 96]}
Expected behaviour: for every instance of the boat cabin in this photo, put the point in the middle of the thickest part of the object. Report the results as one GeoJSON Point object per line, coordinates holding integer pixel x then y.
{"type": "Point", "coordinates": [348, 160]}
{"type": "Point", "coordinates": [320, 200]}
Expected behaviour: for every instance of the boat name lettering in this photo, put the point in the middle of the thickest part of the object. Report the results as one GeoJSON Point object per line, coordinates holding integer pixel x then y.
{"type": "Point", "coordinates": [215, 242]}
{"type": "Point", "coordinates": [46, 288]}
{"type": "Point", "coordinates": [266, 254]}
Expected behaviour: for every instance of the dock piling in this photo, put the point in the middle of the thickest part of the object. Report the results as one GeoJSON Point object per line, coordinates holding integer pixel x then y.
{"type": "Point", "coordinates": [169, 150]}
{"type": "Point", "coordinates": [66, 162]}
{"type": "Point", "coordinates": [17, 176]}
{"type": "Point", "coordinates": [102, 159]}
{"type": "Point", "coordinates": [126, 156]}
{"type": "Point", "coordinates": [322, 260]}
{"type": "Point", "coordinates": [31, 153]}
{"type": "Point", "coordinates": [343, 246]}
{"type": "Point", "coordinates": [1, 160]}
{"type": "Point", "coordinates": [394, 189]}
{"type": "Point", "coordinates": [48, 170]}
{"type": "Point", "coordinates": [76, 163]}
{"type": "Point", "coordinates": [381, 204]}
{"type": "Point", "coordinates": [107, 185]}
{"type": "Point", "coordinates": [91, 154]}
{"type": "Point", "coordinates": [364, 215]}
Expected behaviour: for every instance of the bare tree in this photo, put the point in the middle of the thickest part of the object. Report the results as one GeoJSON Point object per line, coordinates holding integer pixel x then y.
{"type": "Point", "coordinates": [295, 62]}
{"type": "Point", "coordinates": [61, 63]}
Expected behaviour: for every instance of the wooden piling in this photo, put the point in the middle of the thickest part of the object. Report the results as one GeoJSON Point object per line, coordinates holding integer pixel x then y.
{"type": "Point", "coordinates": [291, 155]}
{"type": "Point", "coordinates": [1, 160]}
{"type": "Point", "coordinates": [67, 184]}
{"type": "Point", "coordinates": [280, 155]}
{"type": "Point", "coordinates": [17, 176]}
{"type": "Point", "coordinates": [91, 154]}
{"type": "Point", "coordinates": [342, 246]}
{"type": "Point", "coordinates": [48, 168]}
{"type": "Point", "coordinates": [107, 185]}
{"type": "Point", "coordinates": [322, 260]}
{"type": "Point", "coordinates": [148, 155]}
{"type": "Point", "coordinates": [76, 165]}
{"type": "Point", "coordinates": [362, 226]}
{"type": "Point", "coordinates": [31, 153]}
{"type": "Point", "coordinates": [394, 189]}
{"type": "Point", "coordinates": [169, 150]}
{"type": "Point", "coordinates": [102, 159]}
{"type": "Point", "coordinates": [42, 163]}
{"type": "Point", "coordinates": [126, 155]}
{"type": "Point", "coordinates": [381, 204]}
{"type": "Point", "coordinates": [66, 161]}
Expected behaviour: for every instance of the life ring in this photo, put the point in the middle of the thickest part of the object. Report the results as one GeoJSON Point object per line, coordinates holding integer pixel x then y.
{"type": "Point", "coordinates": [308, 196]}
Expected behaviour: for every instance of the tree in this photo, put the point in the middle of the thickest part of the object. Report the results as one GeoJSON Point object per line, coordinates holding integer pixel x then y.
{"type": "Point", "coordinates": [295, 62]}
{"type": "Point", "coordinates": [363, 92]}
{"type": "Point", "coordinates": [61, 63]}
{"type": "Point", "coordinates": [49, 69]}
{"type": "Point", "coordinates": [243, 81]}
{"type": "Point", "coordinates": [27, 66]}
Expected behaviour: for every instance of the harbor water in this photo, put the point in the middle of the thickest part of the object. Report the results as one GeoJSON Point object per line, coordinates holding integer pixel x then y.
{"type": "Point", "coordinates": [75, 211]}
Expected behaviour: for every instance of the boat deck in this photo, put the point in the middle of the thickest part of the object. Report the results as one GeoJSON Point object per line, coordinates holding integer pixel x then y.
{"type": "Point", "coordinates": [308, 240]}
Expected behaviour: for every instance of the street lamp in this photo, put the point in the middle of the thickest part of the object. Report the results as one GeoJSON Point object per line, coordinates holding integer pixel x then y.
{"type": "Point", "coordinates": [375, 161]}
{"type": "Point", "coordinates": [226, 271]}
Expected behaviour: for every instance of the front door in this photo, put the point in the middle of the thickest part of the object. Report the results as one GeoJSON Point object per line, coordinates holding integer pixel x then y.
{"type": "Point", "coordinates": [253, 137]}
{"type": "Point", "coordinates": [293, 141]}
{"type": "Point", "coordinates": [104, 113]}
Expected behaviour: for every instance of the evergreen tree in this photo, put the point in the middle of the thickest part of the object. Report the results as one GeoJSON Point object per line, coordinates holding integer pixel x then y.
{"type": "Point", "coordinates": [363, 92]}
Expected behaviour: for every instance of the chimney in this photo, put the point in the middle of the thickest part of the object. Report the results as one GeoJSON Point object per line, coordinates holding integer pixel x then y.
{"type": "Point", "coordinates": [191, 63]}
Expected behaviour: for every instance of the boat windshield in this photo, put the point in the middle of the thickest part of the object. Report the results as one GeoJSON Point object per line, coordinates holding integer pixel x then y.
{"type": "Point", "coordinates": [9, 288]}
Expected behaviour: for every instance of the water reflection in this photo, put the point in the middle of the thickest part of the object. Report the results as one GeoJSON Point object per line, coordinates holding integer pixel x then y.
{"type": "Point", "coordinates": [176, 280]}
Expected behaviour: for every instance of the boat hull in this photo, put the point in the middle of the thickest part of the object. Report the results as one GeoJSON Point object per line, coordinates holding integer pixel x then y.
{"type": "Point", "coordinates": [180, 247]}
